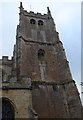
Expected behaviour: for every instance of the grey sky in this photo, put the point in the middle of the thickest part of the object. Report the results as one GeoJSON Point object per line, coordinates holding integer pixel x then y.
{"type": "Point", "coordinates": [67, 17]}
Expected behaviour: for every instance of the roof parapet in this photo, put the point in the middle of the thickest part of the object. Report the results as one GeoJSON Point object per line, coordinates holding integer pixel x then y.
{"type": "Point", "coordinates": [37, 15]}
{"type": "Point", "coordinates": [32, 14]}
{"type": "Point", "coordinates": [5, 58]}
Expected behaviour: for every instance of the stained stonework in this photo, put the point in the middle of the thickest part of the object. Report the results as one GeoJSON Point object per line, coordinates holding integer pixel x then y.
{"type": "Point", "coordinates": [37, 81]}
{"type": "Point", "coordinates": [21, 100]}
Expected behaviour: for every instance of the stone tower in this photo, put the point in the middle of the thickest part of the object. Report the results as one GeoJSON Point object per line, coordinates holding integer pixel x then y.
{"type": "Point", "coordinates": [39, 84]}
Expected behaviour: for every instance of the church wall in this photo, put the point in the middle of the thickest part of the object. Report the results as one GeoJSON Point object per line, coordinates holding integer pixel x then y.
{"type": "Point", "coordinates": [73, 100]}
{"type": "Point", "coordinates": [49, 102]}
{"type": "Point", "coordinates": [54, 61]}
{"type": "Point", "coordinates": [21, 100]}
{"type": "Point", "coordinates": [61, 101]}
{"type": "Point", "coordinates": [31, 38]}
{"type": "Point", "coordinates": [35, 32]}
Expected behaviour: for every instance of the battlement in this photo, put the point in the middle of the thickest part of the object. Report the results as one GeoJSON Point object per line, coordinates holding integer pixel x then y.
{"type": "Point", "coordinates": [37, 15]}
{"type": "Point", "coordinates": [5, 60]}
{"type": "Point", "coordinates": [32, 14]}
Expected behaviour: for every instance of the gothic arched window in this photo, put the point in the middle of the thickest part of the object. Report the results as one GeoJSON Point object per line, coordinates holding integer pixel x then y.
{"type": "Point", "coordinates": [7, 110]}
{"type": "Point", "coordinates": [40, 22]}
{"type": "Point", "coordinates": [41, 55]}
{"type": "Point", "coordinates": [32, 21]}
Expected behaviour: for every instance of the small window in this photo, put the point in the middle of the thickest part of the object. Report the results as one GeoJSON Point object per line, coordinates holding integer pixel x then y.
{"type": "Point", "coordinates": [40, 22]}
{"type": "Point", "coordinates": [41, 54]}
{"type": "Point", "coordinates": [32, 21]}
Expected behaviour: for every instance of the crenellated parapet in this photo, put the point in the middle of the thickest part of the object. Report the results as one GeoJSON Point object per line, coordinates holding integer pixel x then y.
{"type": "Point", "coordinates": [6, 68]}
{"type": "Point", "coordinates": [36, 15]}
{"type": "Point", "coordinates": [5, 60]}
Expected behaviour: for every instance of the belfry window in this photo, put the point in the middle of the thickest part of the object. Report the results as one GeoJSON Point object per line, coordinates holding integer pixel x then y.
{"type": "Point", "coordinates": [32, 21]}
{"type": "Point", "coordinates": [41, 55]}
{"type": "Point", "coordinates": [40, 22]}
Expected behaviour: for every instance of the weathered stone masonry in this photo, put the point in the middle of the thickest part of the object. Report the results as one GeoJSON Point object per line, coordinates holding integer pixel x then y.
{"type": "Point", "coordinates": [37, 81]}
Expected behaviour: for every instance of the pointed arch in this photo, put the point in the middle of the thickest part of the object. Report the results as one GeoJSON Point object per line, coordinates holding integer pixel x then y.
{"type": "Point", "coordinates": [32, 21]}
{"type": "Point", "coordinates": [41, 55]}
{"type": "Point", "coordinates": [8, 111]}
{"type": "Point", "coordinates": [40, 22]}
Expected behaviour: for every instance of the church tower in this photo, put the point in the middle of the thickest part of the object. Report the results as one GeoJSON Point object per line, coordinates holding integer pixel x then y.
{"type": "Point", "coordinates": [40, 75]}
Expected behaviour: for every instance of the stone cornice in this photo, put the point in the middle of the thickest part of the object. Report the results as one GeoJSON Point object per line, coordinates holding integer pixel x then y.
{"type": "Point", "coordinates": [30, 84]}
{"type": "Point", "coordinates": [41, 43]}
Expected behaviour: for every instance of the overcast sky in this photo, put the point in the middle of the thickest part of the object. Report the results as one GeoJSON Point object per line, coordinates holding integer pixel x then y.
{"type": "Point", "coordinates": [67, 17]}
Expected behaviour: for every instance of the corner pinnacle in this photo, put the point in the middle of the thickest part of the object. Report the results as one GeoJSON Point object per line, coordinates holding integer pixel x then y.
{"type": "Point", "coordinates": [48, 10]}
{"type": "Point", "coordinates": [21, 6]}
